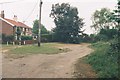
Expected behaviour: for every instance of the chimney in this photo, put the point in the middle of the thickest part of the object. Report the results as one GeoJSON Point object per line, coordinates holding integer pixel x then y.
{"type": "Point", "coordinates": [15, 18]}
{"type": "Point", "coordinates": [2, 15]}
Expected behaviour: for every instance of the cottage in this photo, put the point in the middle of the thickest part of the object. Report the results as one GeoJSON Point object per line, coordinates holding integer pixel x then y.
{"type": "Point", "coordinates": [10, 26]}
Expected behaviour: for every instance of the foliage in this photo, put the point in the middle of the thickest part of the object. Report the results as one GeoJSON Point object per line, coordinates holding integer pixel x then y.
{"type": "Point", "coordinates": [46, 38]}
{"type": "Point", "coordinates": [36, 26]}
{"type": "Point", "coordinates": [18, 32]}
{"type": "Point", "coordinates": [101, 19]}
{"type": "Point", "coordinates": [26, 37]}
{"type": "Point", "coordinates": [101, 37]}
{"type": "Point", "coordinates": [68, 24]}
{"type": "Point", "coordinates": [103, 60]}
{"type": "Point", "coordinates": [115, 45]}
{"type": "Point", "coordinates": [104, 35]}
{"type": "Point", "coordinates": [110, 33]}
{"type": "Point", "coordinates": [85, 38]}
{"type": "Point", "coordinates": [7, 38]}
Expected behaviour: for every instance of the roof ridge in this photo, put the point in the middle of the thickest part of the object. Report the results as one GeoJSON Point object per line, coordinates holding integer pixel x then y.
{"type": "Point", "coordinates": [15, 23]}
{"type": "Point", "coordinates": [7, 21]}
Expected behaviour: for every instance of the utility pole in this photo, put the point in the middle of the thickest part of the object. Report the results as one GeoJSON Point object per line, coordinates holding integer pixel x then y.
{"type": "Point", "coordinates": [39, 30]}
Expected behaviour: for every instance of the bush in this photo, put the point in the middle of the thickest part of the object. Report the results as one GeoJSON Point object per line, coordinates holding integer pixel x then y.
{"type": "Point", "coordinates": [103, 60]}
{"type": "Point", "coordinates": [46, 38]}
{"type": "Point", "coordinates": [101, 37]}
{"type": "Point", "coordinates": [26, 38]}
{"type": "Point", "coordinates": [87, 38]}
{"type": "Point", "coordinates": [7, 38]}
{"type": "Point", "coordinates": [110, 33]}
{"type": "Point", "coordinates": [104, 35]}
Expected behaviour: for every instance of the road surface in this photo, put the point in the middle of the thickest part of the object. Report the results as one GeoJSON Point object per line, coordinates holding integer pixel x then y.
{"type": "Point", "coordinates": [45, 66]}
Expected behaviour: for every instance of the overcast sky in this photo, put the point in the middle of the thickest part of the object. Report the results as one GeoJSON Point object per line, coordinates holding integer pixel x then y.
{"type": "Point", "coordinates": [28, 10]}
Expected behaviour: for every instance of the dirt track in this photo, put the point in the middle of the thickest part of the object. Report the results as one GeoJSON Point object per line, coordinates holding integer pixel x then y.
{"type": "Point", "coordinates": [45, 66]}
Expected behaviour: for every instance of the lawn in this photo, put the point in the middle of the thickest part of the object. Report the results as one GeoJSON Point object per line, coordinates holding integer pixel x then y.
{"type": "Point", "coordinates": [6, 47]}
{"type": "Point", "coordinates": [46, 48]}
{"type": "Point", "coordinates": [104, 63]}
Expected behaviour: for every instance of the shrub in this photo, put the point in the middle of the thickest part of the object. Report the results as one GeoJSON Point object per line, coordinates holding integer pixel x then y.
{"type": "Point", "coordinates": [26, 38]}
{"type": "Point", "coordinates": [46, 38]}
{"type": "Point", "coordinates": [101, 37]}
{"type": "Point", "coordinates": [104, 60]}
{"type": "Point", "coordinates": [104, 35]}
{"type": "Point", "coordinates": [110, 33]}
{"type": "Point", "coordinates": [87, 38]}
{"type": "Point", "coordinates": [7, 38]}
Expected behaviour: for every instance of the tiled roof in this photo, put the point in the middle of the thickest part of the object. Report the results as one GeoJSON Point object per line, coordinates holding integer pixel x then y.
{"type": "Point", "coordinates": [16, 23]}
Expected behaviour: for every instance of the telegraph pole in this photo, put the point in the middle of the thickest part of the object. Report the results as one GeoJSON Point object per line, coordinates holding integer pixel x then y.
{"type": "Point", "coordinates": [39, 30]}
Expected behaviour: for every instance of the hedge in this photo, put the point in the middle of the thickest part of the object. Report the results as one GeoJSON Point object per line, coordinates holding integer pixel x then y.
{"type": "Point", "coordinates": [6, 38]}
{"type": "Point", "coordinates": [26, 37]}
{"type": "Point", "coordinates": [46, 38]}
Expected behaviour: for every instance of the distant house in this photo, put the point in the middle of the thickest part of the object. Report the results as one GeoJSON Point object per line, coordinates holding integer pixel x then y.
{"type": "Point", "coordinates": [9, 26]}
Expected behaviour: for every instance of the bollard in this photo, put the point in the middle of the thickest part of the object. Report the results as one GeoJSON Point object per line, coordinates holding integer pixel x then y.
{"type": "Point", "coordinates": [7, 43]}
{"type": "Point", "coordinates": [24, 42]}
{"type": "Point", "coordinates": [13, 43]}
{"type": "Point", "coordinates": [19, 43]}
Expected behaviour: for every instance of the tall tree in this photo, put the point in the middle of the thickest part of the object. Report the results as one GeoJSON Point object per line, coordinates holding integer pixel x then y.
{"type": "Point", "coordinates": [117, 19]}
{"type": "Point", "coordinates": [68, 24]}
{"type": "Point", "coordinates": [35, 28]}
{"type": "Point", "coordinates": [101, 19]}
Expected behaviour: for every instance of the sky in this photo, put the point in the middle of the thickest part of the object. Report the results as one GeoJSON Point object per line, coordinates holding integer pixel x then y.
{"type": "Point", "coordinates": [28, 10]}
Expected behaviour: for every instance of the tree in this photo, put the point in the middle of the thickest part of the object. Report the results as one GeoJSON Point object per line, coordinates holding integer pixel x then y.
{"type": "Point", "coordinates": [116, 44]}
{"type": "Point", "coordinates": [101, 19]}
{"type": "Point", "coordinates": [35, 28]}
{"type": "Point", "coordinates": [18, 32]}
{"type": "Point", "coordinates": [68, 24]}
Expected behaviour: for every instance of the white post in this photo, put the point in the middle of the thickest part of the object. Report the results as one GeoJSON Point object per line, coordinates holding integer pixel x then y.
{"type": "Point", "coordinates": [7, 43]}
{"type": "Point", "coordinates": [19, 43]}
{"type": "Point", "coordinates": [13, 43]}
{"type": "Point", "coordinates": [24, 42]}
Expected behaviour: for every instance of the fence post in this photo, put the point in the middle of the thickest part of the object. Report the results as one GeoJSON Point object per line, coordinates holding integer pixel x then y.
{"type": "Point", "coordinates": [7, 43]}
{"type": "Point", "coordinates": [24, 43]}
{"type": "Point", "coordinates": [13, 43]}
{"type": "Point", "coordinates": [19, 43]}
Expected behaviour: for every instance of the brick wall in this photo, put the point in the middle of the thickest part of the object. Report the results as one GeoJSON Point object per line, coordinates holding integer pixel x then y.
{"type": "Point", "coordinates": [0, 26]}
{"type": "Point", "coordinates": [7, 28]}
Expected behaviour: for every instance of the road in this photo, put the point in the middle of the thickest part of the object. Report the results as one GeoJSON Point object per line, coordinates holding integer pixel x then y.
{"type": "Point", "coordinates": [45, 66]}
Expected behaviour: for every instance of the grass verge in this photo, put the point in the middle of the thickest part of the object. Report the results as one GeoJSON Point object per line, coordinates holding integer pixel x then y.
{"type": "Point", "coordinates": [46, 48]}
{"type": "Point", "coordinates": [7, 47]}
{"type": "Point", "coordinates": [103, 63]}
{"type": "Point", "coordinates": [83, 70]}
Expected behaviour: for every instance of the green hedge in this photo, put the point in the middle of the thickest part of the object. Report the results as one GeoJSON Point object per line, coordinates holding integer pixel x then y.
{"type": "Point", "coordinates": [46, 38]}
{"type": "Point", "coordinates": [10, 38]}
{"type": "Point", "coordinates": [104, 60]}
{"type": "Point", "coordinates": [26, 37]}
{"type": "Point", "coordinates": [6, 38]}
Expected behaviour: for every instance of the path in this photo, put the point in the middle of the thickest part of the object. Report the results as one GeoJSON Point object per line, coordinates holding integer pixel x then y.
{"type": "Point", "coordinates": [45, 66]}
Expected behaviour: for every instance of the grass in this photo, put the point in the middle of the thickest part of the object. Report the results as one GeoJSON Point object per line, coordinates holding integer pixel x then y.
{"type": "Point", "coordinates": [5, 47]}
{"type": "Point", "coordinates": [46, 48]}
{"type": "Point", "coordinates": [102, 62]}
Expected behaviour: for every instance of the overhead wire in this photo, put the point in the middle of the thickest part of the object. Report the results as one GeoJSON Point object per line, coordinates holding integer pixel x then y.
{"type": "Point", "coordinates": [10, 1]}
{"type": "Point", "coordinates": [31, 12]}
{"type": "Point", "coordinates": [28, 14]}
